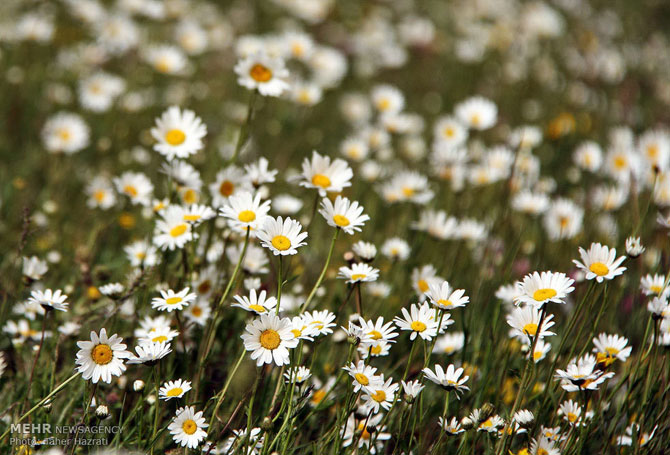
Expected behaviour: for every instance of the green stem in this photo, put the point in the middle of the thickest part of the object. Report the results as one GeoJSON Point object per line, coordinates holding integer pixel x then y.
{"type": "Point", "coordinates": [323, 272]}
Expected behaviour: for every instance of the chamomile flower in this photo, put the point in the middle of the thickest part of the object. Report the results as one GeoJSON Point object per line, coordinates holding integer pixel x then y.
{"type": "Point", "coordinates": [563, 219]}
{"type": "Point", "coordinates": [245, 211]}
{"type": "Point", "coordinates": [600, 262]}
{"type": "Point", "coordinates": [378, 348]}
{"type": "Point", "coordinates": [449, 343]}
{"type": "Point", "coordinates": [166, 59]}
{"type": "Point", "coordinates": [634, 247]}
{"type": "Point", "coordinates": [450, 131]}
{"type": "Point", "coordinates": [258, 304]}
{"type": "Point", "coordinates": [141, 253]}
{"type": "Point", "coordinates": [102, 357]}
{"type": "Point", "coordinates": [542, 348]}
{"type": "Point", "coordinates": [363, 375]}
{"type": "Point", "coordinates": [303, 330]}
{"type": "Point", "coordinates": [322, 321]}
{"type": "Point", "coordinates": [523, 417]}
{"type": "Point", "coordinates": [407, 186]}
{"type": "Point", "coordinates": [588, 156]}
{"type": "Point", "coordinates": [449, 379]}
{"type": "Point", "coordinates": [343, 214]}
{"type": "Point", "coordinates": [378, 330]}
{"type": "Point", "coordinates": [270, 338]}
{"type": "Point", "coordinates": [188, 427]}
{"type": "Point", "coordinates": [34, 268]}
{"type": "Point", "coordinates": [174, 389]}
{"type": "Point", "coordinates": [653, 284]}
{"type": "Point", "coordinates": [581, 374]}
{"type": "Point", "coordinates": [387, 99]}
{"type": "Point", "coordinates": [436, 223]}
{"type": "Point", "coordinates": [198, 312]}
{"type": "Point", "coordinates": [539, 288]}
{"type": "Point", "coordinates": [364, 250]}
{"type": "Point", "coordinates": [358, 272]}
{"type": "Point", "coordinates": [525, 322]}
{"type": "Point", "coordinates": [412, 388]}
{"type": "Point", "coordinates": [171, 231]}
{"type": "Point", "coordinates": [380, 395]}
{"type": "Point", "coordinates": [65, 133]}
{"type": "Point", "coordinates": [452, 427]}
{"type": "Point", "coordinates": [228, 182]}
{"type": "Point", "coordinates": [150, 353]}
{"type": "Point", "coordinates": [422, 277]}
{"type": "Point", "coordinates": [170, 301]}
{"type": "Point", "coordinates": [178, 133]}
{"type": "Point", "coordinates": [659, 307]}
{"type": "Point", "coordinates": [543, 446]}
{"type": "Point", "coordinates": [159, 335]}
{"type": "Point", "coordinates": [98, 91]}
{"type": "Point", "coordinates": [297, 375]}
{"type": "Point", "coordinates": [49, 300]}
{"type": "Point", "coordinates": [281, 236]}
{"type": "Point", "coordinates": [477, 113]}
{"type": "Point", "coordinates": [136, 186]}
{"type": "Point", "coordinates": [321, 174]}
{"type": "Point", "coordinates": [571, 412]}
{"type": "Point", "coordinates": [396, 248]}
{"type": "Point", "coordinates": [264, 73]}
{"type": "Point", "coordinates": [442, 296]}
{"type": "Point", "coordinates": [100, 193]}
{"type": "Point", "coordinates": [419, 320]}
{"type": "Point", "coordinates": [643, 437]}
{"type": "Point", "coordinates": [259, 173]}
{"type": "Point", "coordinates": [609, 348]}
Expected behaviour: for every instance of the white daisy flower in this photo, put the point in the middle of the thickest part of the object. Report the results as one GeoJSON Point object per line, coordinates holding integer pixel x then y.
{"type": "Point", "coordinates": [302, 330]}
{"type": "Point", "coordinates": [450, 132]}
{"type": "Point", "coordinates": [422, 277]}
{"type": "Point", "coordinates": [321, 174]}
{"type": "Point", "coordinates": [171, 231]}
{"type": "Point", "coordinates": [396, 248]}
{"type": "Point", "coordinates": [141, 253]}
{"type": "Point", "coordinates": [581, 374]}
{"type": "Point", "coordinates": [166, 59]}
{"type": "Point", "coordinates": [188, 427]}
{"type": "Point", "coordinates": [198, 312]}
{"type": "Point", "coordinates": [358, 272]}
{"type": "Point", "coordinates": [174, 389]}
{"type": "Point", "coordinates": [98, 91]}
{"type": "Point", "coordinates": [634, 247]}
{"type": "Point", "coordinates": [525, 323]}
{"type": "Point", "coordinates": [449, 379]}
{"type": "Point", "coordinates": [453, 426]}
{"type": "Point", "coordinates": [49, 299]}
{"type": "Point", "coordinates": [245, 211]}
{"type": "Point", "coordinates": [322, 321]}
{"type": "Point", "coordinates": [365, 250]}
{"type": "Point", "coordinates": [270, 338]}
{"type": "Point", "coordinates": [380, 395]}
{"type": "Point", "coordinates": [377, 330]}
{"type": "Point", "coordinates": [65, 133]}
{"type": "Point", "coordinates": [539, 288]}
{"type": "Point", "coordinates": [387, 99]}
{"type": "Point", "coordinates": [102, 357]}
{"type": "Point", "coordinates": [344, 214]}
{"type": "Point", "coordinates": [563, 219]}
{"type": "Point", "coordinates": [259, 173]}
{"type": "Point", "coordinates": [197, 213]}
{"type": "Point", "coordinates": [281, 236]}
{"type": "Point", "coordinates": [34, 268]}
{"type": "Point", "coordinates": [228, 182]}
{"type": "Point", "coordinates": [264, 73]}
{"type": "Point", "coordinates": [363, 375]}
{"type": "Point", "coordinates": [609, 348]}
{"type": "Point", "coordinates": [412, 388]}
{"type": "Point", "coordinates": [297, 375]}
{"type": "Point", "coordinates": [477, 113]}
{"type": "Point", "coordinates": [443, 297]}
{"type": "Point", "coordinates": [178, 133]}
{"type": "Point", "coordinates": [150, 353]}
{"type": "Point", "coordinates": [100, 193]}
{"type": "Point", "coordinates": [170, 300]}
{"type": "Point", "coordinates": [419, 320]}
{"type": "Point", "coordinates": [571, 412]}
{"type": "Point", "coordinates": [600, 262]}
{"type": "Point", "coordinates": [258, 304]}
{"type": "Point", "coordinates": [136, 186]}
{"type": "Point", "coordinates": [449, 343]}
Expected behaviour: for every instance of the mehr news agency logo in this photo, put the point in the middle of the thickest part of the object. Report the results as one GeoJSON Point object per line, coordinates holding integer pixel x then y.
{"type": "Point", "coordinates": [46, 434]}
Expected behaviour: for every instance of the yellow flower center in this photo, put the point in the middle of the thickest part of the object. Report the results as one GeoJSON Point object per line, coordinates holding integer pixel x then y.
{"type": "Point", "coordinates": [296, 333]}
{"type": "Point", "coordinates": [341, 220]}
{"type": "Point", "coordinates": [226, 188]}
{"type": "Point", "coordinates": [321, 180]}
{"type": "Point", "coordinates": [257, 308]}
{"type": "Point", "coordinates": [260, 73]}
{"type": "Point", "coordinates": [130, 190]}
{"type": "Point", "coordinates": [474, 119]}
{"type": "Point", "coordinates": [190, 196]}
{"type": "Point", "coordinates": [318, 396]}
{"type": "Point", "coordinates": [102, 354]}
{"type": "Point", "coordinates": [246, 216]}
{"type": "Point", "coordinates": [444, 302]}
{"type": "Point", "coordinates": [449, 132]}
{"type": "Point", "coordinates": [173, 300]}
{"type": "Point", "coordinates": [619, 162]}
{"type": "Point", "coordinates": [572, 417]}
{"type": "Point", "coordinates": [281, 242]}
{"type": "Point", "coordinates": [189, 426]}
{"type": "Point", "coordinates": [196, 311]}
{"type": "Point", "coordinates": [542, 451]}
{"type": "Point", "coordinates": [423, 285]}
{"type": "Point", "coordinates": [376, 349]}
{"type": "Point", "coordinates": [163, 65]}
{"type": "Point", "coordinates": [418, 326]}
{"type": "Point", "coordinates": [384, 104]}
{"type": "Point", "coordinates": [544, 294]}
{"type": "Point", "coordinates": [365, 434]}
{"type": "Point", "coordinates": [175, 137]}
{"type": "Point", "coordinates": [270, 339]}
{"type": "Point", "coordinates": [652, 151]}
{"type": "Point", "coordinates": [64, 134]}
{"type": "Point", "coordinates": [530, 329]}
{"type": "Point", "coordinates": [599, 269]}
{"type": "Point", "coordinates": [407, 191]}
{"type": "Point", "coordinates": [358, 276]}
{"type": "Point", "coordinates": [656, 289]}
{"type": "Point", "coordinates": [191, 217]}
{"type": "Point", "coordinates": [537, 355]}
{"type": "Point", "coordinates": [379, 396]}
{"type": "Point", "coordinates": [375, 335]}
{"type": "Point", "coordinates": [159, 339]}
{"type": "Point", "coordinates": [362, 379]}
{"type": "Point", "coordinates": [175, 392]}
{"type": "Point", "coordinates": [178, 230]}
{"type": "Point", "coordinates": [99, 195]}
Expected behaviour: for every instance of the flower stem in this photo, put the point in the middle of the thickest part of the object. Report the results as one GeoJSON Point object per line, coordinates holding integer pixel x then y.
{"type": "Point", "coordinates": [323, 273]}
